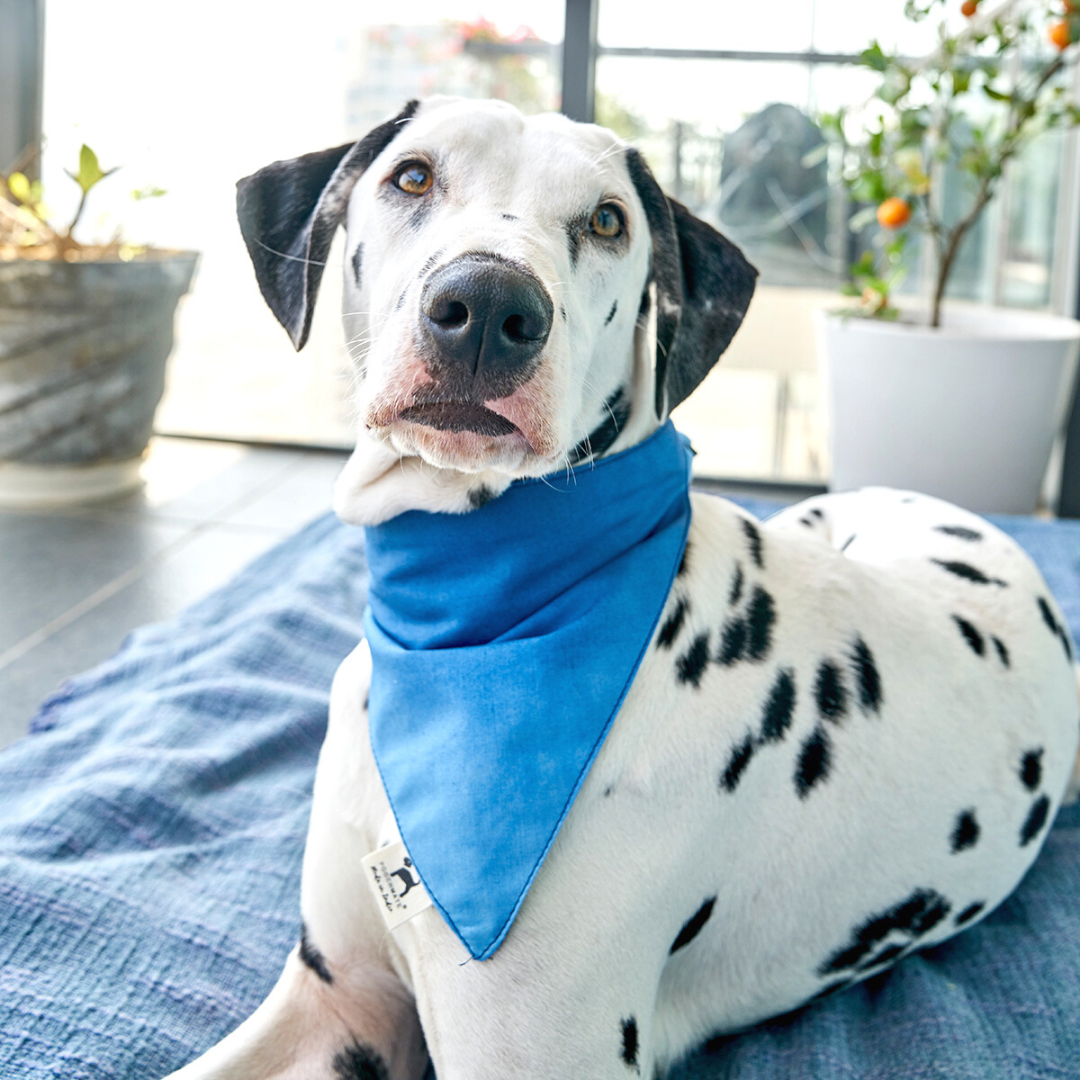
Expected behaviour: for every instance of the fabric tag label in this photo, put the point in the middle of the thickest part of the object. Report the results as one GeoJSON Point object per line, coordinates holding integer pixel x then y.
{"type": "Point", "coordinates": [396, 884]}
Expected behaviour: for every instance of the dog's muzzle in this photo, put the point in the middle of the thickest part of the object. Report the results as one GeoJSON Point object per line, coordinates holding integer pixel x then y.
{"type": "Point", "coordinates": [483, 325]}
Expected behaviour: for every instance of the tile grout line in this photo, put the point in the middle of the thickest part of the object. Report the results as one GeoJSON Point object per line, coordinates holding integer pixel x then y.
{"type": "Point", "coordinates": [108, 590]}
{"type": "Point", "coordinates": [15, 652]}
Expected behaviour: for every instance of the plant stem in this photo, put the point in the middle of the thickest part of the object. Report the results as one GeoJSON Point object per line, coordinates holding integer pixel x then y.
{"type": "Point", "coordinates": [78, 214]}
{"type": "Point", "coordinates": [952, 248]}
{"type": "Point", "coordinates": [1009, 146]}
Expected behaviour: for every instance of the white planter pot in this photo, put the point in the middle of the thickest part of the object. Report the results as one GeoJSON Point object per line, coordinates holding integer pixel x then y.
{"type": "Point", "coordinates": [967, 412]}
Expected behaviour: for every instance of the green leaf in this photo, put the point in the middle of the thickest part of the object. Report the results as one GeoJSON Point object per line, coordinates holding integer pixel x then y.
{"type": "Point", "coordinates": [961, 81]}
{"type": "Point", "coordinates": [89, 170]}
{"type": "Point", "coordinates": [873, 57]}
{"type": "Point", "coordinates": [864, 266]}
{"type": "Point", "coordinates": [19, 186]}
{"type": "Point", "coordinates": [995, 95]}
{"type": "Point", "coordinates": [148, 192]}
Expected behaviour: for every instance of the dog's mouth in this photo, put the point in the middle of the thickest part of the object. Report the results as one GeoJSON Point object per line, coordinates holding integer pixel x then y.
{"type": "Point", "coordinates": [457, 416]}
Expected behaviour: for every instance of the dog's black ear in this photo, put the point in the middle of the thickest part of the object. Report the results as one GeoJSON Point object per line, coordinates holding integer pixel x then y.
{"type": "Point", "coordinates": [703, 288]}
{"type": "Point", "coordinates": [289, 212]}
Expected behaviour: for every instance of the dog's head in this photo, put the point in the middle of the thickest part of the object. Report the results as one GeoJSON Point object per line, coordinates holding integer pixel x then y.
{"type": "Point", "coordinates": [519, 293]}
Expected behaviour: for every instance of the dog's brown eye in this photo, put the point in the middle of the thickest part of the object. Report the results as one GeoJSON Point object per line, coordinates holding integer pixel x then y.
{"type": "Point", "coordinates": [606, 220]}
{"type": "Point", "coordinates": [415, 178]}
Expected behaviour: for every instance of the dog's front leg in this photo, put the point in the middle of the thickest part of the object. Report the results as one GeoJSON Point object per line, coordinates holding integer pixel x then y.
{"type": "Point", "coordinates": [340, 1008]}
{"type": "Point", "coordinates": [572, 992]}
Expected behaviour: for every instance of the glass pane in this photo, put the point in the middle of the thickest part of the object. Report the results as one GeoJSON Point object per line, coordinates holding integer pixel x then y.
{"type": "Point", "coordinates": [1033, 203]}
{"type": "Point", "coordinates": [201, 93]}
{"type": "Point", "coordinates": [730, 139]}
{"type": "Point", "coordinates": [689, 24]}
{"type": "Point", "coordinates": [848, 26]}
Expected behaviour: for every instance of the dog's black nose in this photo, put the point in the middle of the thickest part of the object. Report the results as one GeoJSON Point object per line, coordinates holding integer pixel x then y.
{"type": "Point", "coordinates": [484, 324]}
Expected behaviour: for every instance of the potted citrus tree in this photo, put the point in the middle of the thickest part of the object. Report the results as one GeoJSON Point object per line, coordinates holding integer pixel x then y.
{"type": "Point", "coordinates": [960, 401]}
{"type": "Point", "coordinates": [85, 330]}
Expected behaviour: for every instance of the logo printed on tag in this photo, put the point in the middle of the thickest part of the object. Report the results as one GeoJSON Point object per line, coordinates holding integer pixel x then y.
{"type": "Point", "coordinates": [396, 884]}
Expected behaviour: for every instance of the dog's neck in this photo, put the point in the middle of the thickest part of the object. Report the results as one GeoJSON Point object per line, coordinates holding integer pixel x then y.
{"type": "Point", "coordinates": [378, 483]}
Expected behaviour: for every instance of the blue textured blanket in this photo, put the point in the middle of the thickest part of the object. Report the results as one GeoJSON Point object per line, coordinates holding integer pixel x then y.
{"type": "Point", "coordinates": [151, 833]}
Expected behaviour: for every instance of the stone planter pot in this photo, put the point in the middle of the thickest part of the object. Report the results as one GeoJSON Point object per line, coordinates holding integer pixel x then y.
{"type": "Point", "coordinates": [967, 412]}
{"type": "Point", "coordinates": [82, 368]}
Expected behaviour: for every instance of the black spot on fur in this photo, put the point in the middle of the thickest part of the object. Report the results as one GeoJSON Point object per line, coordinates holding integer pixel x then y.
{"type": "Point", "coordinates": [630, 1042]}
{"type": "Point", "coordinates": [867, 677]}
{"type": "Point", "coordinates": [813, 764]}
{"type": "Point", "coordinates": [692, 663]}
{"type": "Point", "coordinates": [908, 499]}
{"type": "Point", "coordinates": [740, 758]}
{"type": "Point", "coordinates": [735, 594]}
{"type": "Point", "coordinates": [1048, 615]}
{"type": "Point", "coordinates": [611, 313]}
{"type": "Point", "coordinates": [401, 300]}
{"type": "Point", "coordinates": [673, 624]}
{"type": "Point", "coordinates": [807, 522]}
{"type": "Point", "coordinates": [829, 692]}
{"type": "Point", "coordinates": [961, 532]}
{"type": "Point", "coordinates": [692, 927]}
{"type": "Point", "coordinates": [886, 956]}
{"type": "Point", "coordinates": [779, 708]}
{"type": "Point", "coordinates": [1002, 651]}
{"type": "Point", "coordinates": [358, 1062]}
{"type": "Point", "coordinates": [684, 562]}
{"type": "Point", "coordinates": [357, 260]}
{"type": "Point", "coordinates": [818, 512]}
{"type": "Point", "coordinates": [968, 572]}
{"type": "Point", "coordinates": [1031, 769]}
{"type": "Point", "coordinates": [847, 543]}
{"type": "Point", "coordinates": [753, 538]}
{"type": "Point", "coordinates": [732, 642]}
{"type": "Point", "coordinates": [574, 228]}
{"type": "Point", "coordinates": [1036, 819]}
{"type": "Point", "coordinates": [609, 791]}
{"type": "Point", "coordinates": [480, 496]}
{"type": "Point", "coordinates": [510, 217]}
{"type": "Point", "coordinates": [312, 957]}
{"type": "Point", "coordinates": [760, 616]}
{"type": "Point", "coordinates": [1055, 627]}
{"type": "Point", "coordinates": [971, 635]}
{"type": "Point", "coordinates": [562, 312]}
{"type": "Point", "coordinates": [616, 413]}
{"type": "Point", "coordinates": [969, 912]}
{"type": "Point", "coordinates": [965, 832]}
{"type": "Point", "coordinates": [914, 917]}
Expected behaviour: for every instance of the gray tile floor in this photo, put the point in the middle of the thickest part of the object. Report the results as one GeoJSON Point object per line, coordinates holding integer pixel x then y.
{"type": "Point", "coordinates": [74, 582]}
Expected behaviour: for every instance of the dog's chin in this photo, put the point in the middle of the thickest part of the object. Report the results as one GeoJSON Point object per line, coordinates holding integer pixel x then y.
{"type": "Point", "coordinates": [467, 444]}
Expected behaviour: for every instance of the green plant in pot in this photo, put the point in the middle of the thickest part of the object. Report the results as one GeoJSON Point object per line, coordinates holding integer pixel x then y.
{"type": "Point", "coordinates": [85, 332]}
{"type": "Point", "coordinates": [960, 401]}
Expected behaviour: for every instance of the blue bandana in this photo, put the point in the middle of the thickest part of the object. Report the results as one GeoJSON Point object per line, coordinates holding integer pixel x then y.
{"type": "Point", "coordinates": [503, 643]}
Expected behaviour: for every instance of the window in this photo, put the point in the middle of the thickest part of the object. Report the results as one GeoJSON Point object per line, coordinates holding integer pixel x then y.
{"type": "Point", "coordinates": [723, 103]}
{"type": "Point", "coordinates": [721, 100]}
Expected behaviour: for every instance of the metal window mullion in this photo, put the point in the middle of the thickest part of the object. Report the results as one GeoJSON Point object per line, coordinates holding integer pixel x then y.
{"type": "Point", "coordinates": [579, 60]}
{"type": "Point", "coordinates": [21, 63]}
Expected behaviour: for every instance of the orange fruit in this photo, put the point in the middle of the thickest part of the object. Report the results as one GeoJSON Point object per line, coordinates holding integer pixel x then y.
{"type": "Point", "coordinates": [969, 7]}
{"type": "Point", "coordinates": [1059, 34]}
{"type": "Point", "coordinates": [893, 213]}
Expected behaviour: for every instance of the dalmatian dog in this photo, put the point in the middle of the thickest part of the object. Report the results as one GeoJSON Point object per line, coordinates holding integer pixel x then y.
{"type": "Point", "coordinates": [849, 734]}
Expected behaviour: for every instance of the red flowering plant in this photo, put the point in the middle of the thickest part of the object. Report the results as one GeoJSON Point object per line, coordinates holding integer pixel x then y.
{"type": "Point", "coordinates": [991, 85]}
